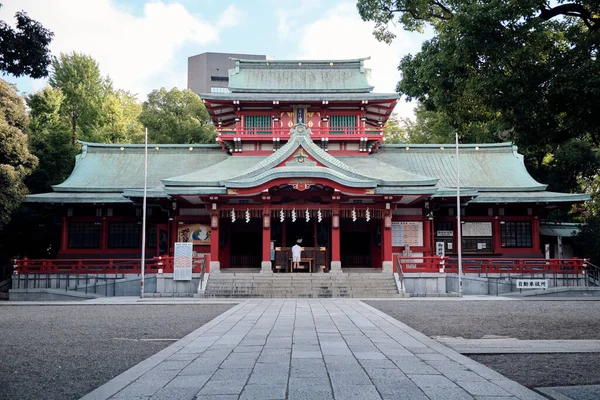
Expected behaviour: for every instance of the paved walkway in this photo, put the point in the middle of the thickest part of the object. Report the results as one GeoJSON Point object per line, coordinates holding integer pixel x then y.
{"type": "Point", "coordinates": [309, 349]}
{"type": "Point", "coordinates": [516, 346]}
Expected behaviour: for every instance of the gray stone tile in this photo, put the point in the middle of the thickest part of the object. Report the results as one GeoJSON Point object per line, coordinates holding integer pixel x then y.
{"type": "Point", "coordinates": [309, 395]}
{"type": "Point", "coordinates": [402, 385]}
{"type": "Point", "coordinates": [191, 381]}
{"type": "Point", "coordinates": [140, 389]}
{"type": "Point", "coordinates": [356, 392]}
{"type": "Point", "coordinates": [446, 393]}
{"type": "Point", "coordinates": [175, 394]}
{"type": "Point", "coordinates": [307, 354]}
{"type": "Point", "coordinates": [352, 377]}
{"type": "Point", "coordinates": [263, 392]}
{"type": "Point", "coordinates": [385, 374]}
{"type": "Point", "coordinates": [369, 355]}
{"type": "Point", "coordinates": [272, 379]}
{"type": "Point", "coordinates": [222, 387]}
{"type": "Point", "coordinates": [413, 365]}
{"type": "Point", "coordinates": [316, 384]}
{"type": "Point", "coordinates": [228, 374]}
{"type": "Point", "coordinates": [247, 349]}
{"type": "Point", "coordinates": [437, 381]}
{"type": "Point", "coordinates": [218, 397]}
{"type": "Point", "coordinates": [239, 363]}
{"type": "Point", "coordinates": [387, 364]}
{"type": "Point", "coordinates": [183, 356]}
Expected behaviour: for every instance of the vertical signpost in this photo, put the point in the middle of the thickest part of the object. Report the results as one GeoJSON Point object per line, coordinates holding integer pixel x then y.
{"type": "Point", "coordinates": [182, 266]}
{"type": "Point", "coordinates": [459, 228]}
{"type": "Point", "coordinates": [143, 263]}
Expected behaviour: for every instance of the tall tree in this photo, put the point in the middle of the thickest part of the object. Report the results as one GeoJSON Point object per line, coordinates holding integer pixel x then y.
{"type": "Point", "coordinates": [525, 70]}
{"type": "Point", "coordinates": [24, 50]}
{"type": "Point", "coordinates": [176, 116]}
{"type": "Point", "coordinates": [16, 162]}
{"type": "Point", "coordinates": [84, 89]}
{"type": "Point", "coordinates": [121, 112]}
{"type": "Point", "coordinates": [50, 139]}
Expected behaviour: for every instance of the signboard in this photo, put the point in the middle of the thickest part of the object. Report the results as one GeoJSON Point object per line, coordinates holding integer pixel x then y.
{"type": "Point", "coordinates": [407, 233]}
{"type": "Point", "coordinates": [194, 233]}
{"type": "Point", "coordinates": [182, 265]}
{"type": "Point", "coordinates": [439, 249]}
{"type": "Point", "coordinates": [445, 233]}
{"type": "Point", "coordinates": [532, 283]}
{"type": "Point", "coordinates": [477, 229]}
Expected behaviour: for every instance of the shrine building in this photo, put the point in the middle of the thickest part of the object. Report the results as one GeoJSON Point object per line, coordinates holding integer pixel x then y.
{"type": "Point", "coordinates": [300, 156]}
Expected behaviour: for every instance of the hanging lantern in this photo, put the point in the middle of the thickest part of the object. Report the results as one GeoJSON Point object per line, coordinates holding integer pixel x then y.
{"type": "Point", "coordinates": [307, 213]}
{"type": "Point", "coordinates": [368, 215]}
{"type": "Point", "coordinates": [353, 214]}
{"type": "Point", "coordinates": [247, 215]}
{"type": "Point", "coordinates": [319, 216]}
{"type": "Point", "coordinates": [293, 215]}
{"type": "Point", "coordinates": [281, 215]}
{"type": "Point", "coordinates": [232, 215]}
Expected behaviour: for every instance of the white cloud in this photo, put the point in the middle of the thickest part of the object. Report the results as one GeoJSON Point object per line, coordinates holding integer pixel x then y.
{"type": "Point", "coordinates": [137, 51]}
{"type": "Point", "coordinates": [342, 34]}
{"type": "Point", "coordinates": [283, 24]}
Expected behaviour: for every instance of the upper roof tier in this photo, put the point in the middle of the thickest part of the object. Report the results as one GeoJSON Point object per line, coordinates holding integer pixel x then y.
{"type": "Point", "coordinates": [299, 76]}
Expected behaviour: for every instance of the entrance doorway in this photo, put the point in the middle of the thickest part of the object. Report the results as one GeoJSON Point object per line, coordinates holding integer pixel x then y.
{"type": "Point", "coordinates": [355, 243]}
{"type": "Point", "coordinates": [246, 244]}
{"type": "Point", "coordinates": [300, 230]}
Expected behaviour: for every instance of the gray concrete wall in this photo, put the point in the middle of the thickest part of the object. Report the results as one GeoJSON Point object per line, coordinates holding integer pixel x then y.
{"type": "Point", "coordinates": [501, 283]}
{"type": "Point", "coordinates": [47, 295]}
{"type": "Point", "coordinates": [424, 283]}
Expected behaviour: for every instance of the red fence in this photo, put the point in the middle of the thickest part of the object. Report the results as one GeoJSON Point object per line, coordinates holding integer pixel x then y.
{"type": "Point", "coordinates": [102, 266]}
{"type": "Point", "coordinates": [436, 264]}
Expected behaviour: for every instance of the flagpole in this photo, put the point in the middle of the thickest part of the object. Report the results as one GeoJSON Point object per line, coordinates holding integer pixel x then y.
{"type": "Point", "coordinates": [459, 224]}
{"type": "Point", "coordinates": [143, 263]}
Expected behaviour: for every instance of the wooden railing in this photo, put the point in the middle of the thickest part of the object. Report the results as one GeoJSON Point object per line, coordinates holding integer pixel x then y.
{"type": "Point", "coordinates": [342, 131]}
{"type": "Point", "coordinates": [101, 266]}
{"type": "Point", "coordinates": [437, 264]}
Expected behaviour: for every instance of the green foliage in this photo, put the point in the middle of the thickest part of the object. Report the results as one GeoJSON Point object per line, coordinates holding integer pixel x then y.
{"type": "Point", "coordinates": [84, 89]}
{"type": "Point", "coordinates": [24, 50]}
{"type": "Point", "coordinates": [120, 112]}
{"type": "Point", "coordinates": [50, 139]}
{"type": "Point", "coordinates": [394, 131]}
{"type": "Point", "coordinates": [176, 116]}
{"type": "Point", "coordinates": [16, 162]}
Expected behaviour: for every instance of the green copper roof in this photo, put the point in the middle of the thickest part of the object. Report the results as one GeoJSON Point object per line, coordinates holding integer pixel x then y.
{"type": "Point", "coordinates": [107, 168]}
{"type": "Point", "coordinates": [303, 97]}
{"type": "Point", "coordinates": [529, 197]}
{"type": "Point", "coordinates": [563, 229]}
{"type": "Point", "coordinates": [484, 167]}
{"type": "Point", "coordinates": [299, 76]}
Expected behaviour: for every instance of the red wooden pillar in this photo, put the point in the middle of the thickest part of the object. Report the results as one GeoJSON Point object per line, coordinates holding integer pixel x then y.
{"type": "Point", "coordinates": [104, 235]}
{"type": "Point", "coordinates": [535, 227]}
{"type": "Point", "coordinates": [64, 239]}
{"type": "Point", "coordinates": [336, 261]}
{"type": "Point", "coordinates": [496, 237]}
{"type": "Point", "coordinates": [266, 265]}
{"type": "Point", "coordinates": [427, 236]}
{"type": "Point", "coordinates": [214, 240]}
{"type": "Point", "coordinates": [386, 242]}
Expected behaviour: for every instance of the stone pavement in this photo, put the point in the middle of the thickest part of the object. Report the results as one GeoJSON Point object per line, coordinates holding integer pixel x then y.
{"type": "Point", "coordinates": [309, 349]}
{"type": "Point", "coordinates": [516, 346]}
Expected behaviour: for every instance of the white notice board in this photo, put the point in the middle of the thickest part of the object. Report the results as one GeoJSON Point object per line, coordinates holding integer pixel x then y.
{"type": "Point", "coordinates": [477, 229]}
{"type": "Point", "coordinates": [182, 266]}
{"type": "Point", "coordinates": [407, 233]}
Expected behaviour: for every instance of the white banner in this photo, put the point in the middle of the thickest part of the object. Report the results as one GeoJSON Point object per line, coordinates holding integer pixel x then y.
{"type": "Point", "coordinates": [182, 263]}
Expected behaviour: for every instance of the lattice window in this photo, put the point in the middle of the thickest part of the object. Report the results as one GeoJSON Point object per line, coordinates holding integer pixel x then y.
{"type": "Point", "coordinates": [151, 236]}
{"type": "Point", "coordinates": [262, 123]}
{"type": "Point", "coordinates": [516, 234]}
{"type": "Point", "coordinates": [342, 121]}
{"type": "Point", "coordinates": [123, 235]}
{"type": "Point", "coordinates": [84, 235]}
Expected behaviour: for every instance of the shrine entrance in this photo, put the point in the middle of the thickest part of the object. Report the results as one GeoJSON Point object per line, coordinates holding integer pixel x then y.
{"type": "Point", "coordinates": [246, 244]}
{"type": "Point", "coordinates": [356, 243]}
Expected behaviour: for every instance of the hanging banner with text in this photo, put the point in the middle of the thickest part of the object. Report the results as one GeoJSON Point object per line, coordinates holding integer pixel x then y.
{"type": "Point", "coordinates": [182, 265]}
{"type": "Point", "coordinates": [407, 233]}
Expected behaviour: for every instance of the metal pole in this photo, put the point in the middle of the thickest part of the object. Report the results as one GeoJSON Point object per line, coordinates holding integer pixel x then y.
{"type": "Point", "coordinates": [143, 262]}
{"type": "Point", "coordinates": [459, 226]}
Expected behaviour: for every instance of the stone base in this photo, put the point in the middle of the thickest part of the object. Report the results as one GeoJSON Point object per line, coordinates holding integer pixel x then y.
{"type": "Point", "coordinates": [215, 267]}
{"type": "Point", "coordinates": [266, 267]}
{"type": "Point", "coordinates": [336, 267]}
{"type": "Point", "coordinates": [387, 266]}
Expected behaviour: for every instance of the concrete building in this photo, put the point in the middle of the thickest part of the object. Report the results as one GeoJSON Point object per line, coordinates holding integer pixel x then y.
{"type": "Point", "coordinates": [208, 72]}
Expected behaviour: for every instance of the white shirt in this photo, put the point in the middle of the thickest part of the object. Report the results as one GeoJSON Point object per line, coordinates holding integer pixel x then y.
{"type": "Point", "coordinates": [296, 250]}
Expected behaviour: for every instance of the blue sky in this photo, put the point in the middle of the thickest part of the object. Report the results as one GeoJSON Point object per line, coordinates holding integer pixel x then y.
{"type": "Point", "coordinates": [144, 44]}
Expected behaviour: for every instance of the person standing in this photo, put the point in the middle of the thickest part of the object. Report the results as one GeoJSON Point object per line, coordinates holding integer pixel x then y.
{"type": "Point", "coordinates": [296, 256]}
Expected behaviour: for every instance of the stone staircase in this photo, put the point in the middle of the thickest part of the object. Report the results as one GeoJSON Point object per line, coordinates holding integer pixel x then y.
{"type": "Point", "coordinates": [316, 285]}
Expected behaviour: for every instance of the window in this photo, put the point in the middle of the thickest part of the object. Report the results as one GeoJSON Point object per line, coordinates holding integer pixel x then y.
{"type": "Point", "coordinates": [219, 78]}
{"type": "Point", "coordinates": [151, 236]}
{"type": "Point", "coordinates": [342, 121]}
{"type": "Point", "coordinates": [84, 235]}
{"type": "Point", "coordinates": [215, 89]}
{"type": "Point", "coordinates": [123, 235]}
{"type": "Point", "coordinates": [261, 124]}
{"type": "Point", "coordinates": [516, 234]}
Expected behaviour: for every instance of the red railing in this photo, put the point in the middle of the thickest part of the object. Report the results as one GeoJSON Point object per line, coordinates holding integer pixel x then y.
{"type": "Point", "coordinates": [342, 131]}
{"type": "Point", "coordinates": [101, 266]}
{"type": "Point", "coordinates": [436, 264]}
